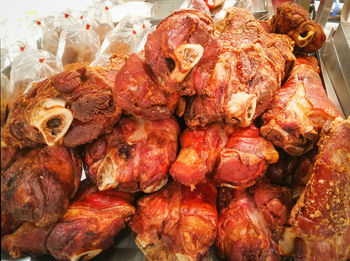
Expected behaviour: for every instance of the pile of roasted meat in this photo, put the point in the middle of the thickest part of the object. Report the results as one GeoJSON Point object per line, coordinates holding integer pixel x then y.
{"type": "Point", "coordinates": [214, 134]}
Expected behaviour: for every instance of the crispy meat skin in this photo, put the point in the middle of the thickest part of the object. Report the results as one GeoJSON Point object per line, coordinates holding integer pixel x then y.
{"type": "Point", "coordinates": [90, 224]}
{"type": "Point", "coordinates": [321, 217]}
{"type": "Point", "coordinates": [37, 187]}
{"type": "Point", "coordinates": [199, 151]}
{"type": "Point", "coordinates": [173, 50]}
{"type": "Point", "coordinates": [139, 92]}
{"type": "Point", "coordinates": [136, 155]}
{"type": "Point", "coordinates": [243, 233]}
{"type": "Point", "coordinates": [71, 108]}
{"type": "Point", "coordinates": [8, 223]}
{"type": "Point", "coordinates": [244, 158]}
{"type": "Point", "coordinates": [293, 20]}
{"type": "Point", "coordinates": [247, 74]}
{"type": "Point", "coordinates": [299, 110]}
{"type": "Point", "coordinates": [176, 223]}
{"type": "Point", "coordinates": [88, 227]}
{"type": "Point", "coordinates": [274, 202]}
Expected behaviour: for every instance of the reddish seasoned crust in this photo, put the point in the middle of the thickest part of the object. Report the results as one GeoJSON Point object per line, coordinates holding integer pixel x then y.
{"type": "Point", "coordinates": [37, 187]}
{"type": "Point", "coordinates": [138, 91]}
{"type": "Point", "coordinates": [135, 156]}
{"type": "Point", "coordinates": [299, 110]}
{"type": "Point", "coordinates": [199, 151]}
{"type": "Point", "coordinates": [28, 239]}
{"type": "Point", "coordinates": [176, 222]}
{"type": "Point", "coordinates": [180, 28]}
{"type": "Point", "coordinates": [88, 227]}
{"type": "Point", "coordinates": [274, 202]}
{"type": "Point", "coordinates": [321, 217]}
{"type": "Point", "coordinates": [8, 223]}
{"type": "Point", "coordinates": [85, 93]}
{"type": "Point", "coordinates": [244, 158]}
{"type": "Point", "coordinates": [243, 233]}
{"type": "Point", "coordinates": [247, 73]}
{"type": "Point", "coordinates": [293, 20]}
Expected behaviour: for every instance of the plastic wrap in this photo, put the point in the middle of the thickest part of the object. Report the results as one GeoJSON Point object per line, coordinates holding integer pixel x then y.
{"type": "Point", "coordinates": [129, 36]}
{"type": "Point", "coordinates": [50, 36]}
{"type": "Point", "coordinates": [5, 84]}
{"type": "Point", "coordinates": [13, 44]}
{"type": "Point", "coordinates": [99, 18]}
{"type": "Point", "coordinates": [31, 66]}
{"type": "Point", "coordinates": [78, 44]}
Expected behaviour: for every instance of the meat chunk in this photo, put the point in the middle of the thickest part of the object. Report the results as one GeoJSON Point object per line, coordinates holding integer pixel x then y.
{"type": "Point", "coordinates": [243, 233]}
{"type": "Point", "coordinates": [293, 20]}
{"type": "Point", "coordinates": [37, 187]}
{"type": "Point", "coordinates": [321, 217]}
{"type": "Point", "coordinates": [138, 91]}
{"type": "Point", "coordinates": [90, 224]}
{"type": "Point", "coordinates": [246, 76]}
{"type": "Point", "coordinates": [274, 202]}
{"type": "Point", "coordinates": [88, 227]}
{"type": "Point", "coordinates": [244, 158]}
{"type": "Point", "coordinates": [176, 223]}
{"type": "Point", "coordinates": [182, 51]}
{"type": "Point", "coordinates": [135, 156]}
{"type": "Point", "coordinates": [9, 224]}
{"type": "Point", "coordinates": [71, 108]}
{"type": "Point", "coordinates": [199, 151]}
{"type": "Point", "coordinates": [299, 110]}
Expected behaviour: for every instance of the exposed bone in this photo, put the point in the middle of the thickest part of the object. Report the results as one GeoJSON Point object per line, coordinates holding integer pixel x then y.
{"type": "Point", "coordinates": [241, 107]}
{"type": "Point", "coordinates": [294, 150]}
{"type": "Point", "coordinates": [286, 243]}
{"type": "Point", "coordinates": [87, 255]}
{"type": "Point", "coordinates": [304, 41]}
{"type": "Point", "coordinates": [52, 120]}
{"type": "Point", "coordinates": [181, 107]}
{"type": "Point", "coordinates": [106, 174]}
{"type": "Point", "coordinates": [157, 186]}
{"type": "Point", "coordinates": [274, 133]}
{"type": "Point", "coordinates": [186, 57]}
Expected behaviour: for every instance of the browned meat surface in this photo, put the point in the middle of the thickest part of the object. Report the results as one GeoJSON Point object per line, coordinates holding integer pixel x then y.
{"type": "Point", "coordinates": [247, 74]}
{"type": "Point", "coordinates": [321, 218]}
{"type": "Point", "coordinates": [138, 91]}
{"type": "Point", "coordinates": [293, 20]}
{"type": "Point", "coordinates": [244, 159]}
{"type": "Point", "coordinates": [299, 110]}
{"type": "Point", "coordinates": [135, 156]}
{"type": "Point", "coordinates": [176, 223]}
{"type": "Point", "coordinates": [243, 233]}
{"type": "Point", "coordinates": [199, 151]}
{"type": "Point", "coordinates": [37, 187]}
{"type": "Point", "coordinates": [182, 51]}
{"type": "Point", "coordinates": [71, 108]}
{"type": "Point", "coordinates": [88, 227]}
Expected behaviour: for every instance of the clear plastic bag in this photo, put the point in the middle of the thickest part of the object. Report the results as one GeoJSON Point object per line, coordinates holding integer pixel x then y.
{"type": "Point", "coordinates": [78, 44]}
{"type": "Point", "coordinates": [50, 36]}
{"type": "Point", "coordinates": [129, 36]}
{"type": "Point", "coordinates": [196, 4]}
{"type": "Point", "coordinates": [17, 37]}
{"type": "Point", "coordinates": [99, 18]}
{"type": "Point", "coordinates": [5, 85]}
{"type": "Point", "coordinates": [31, 66]}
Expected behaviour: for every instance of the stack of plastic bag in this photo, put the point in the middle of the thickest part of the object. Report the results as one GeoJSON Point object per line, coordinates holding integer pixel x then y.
{"type": "Point", "coordinates": [129, 36]}
{"type": "Point", "coordinates": [5, 84]}
{"type": "Point", "coordinates": [29, 67]}
{"type": "Point", "coordinates": [78, 44]}
{"type": "Point", "coordinates": [99, 18]}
